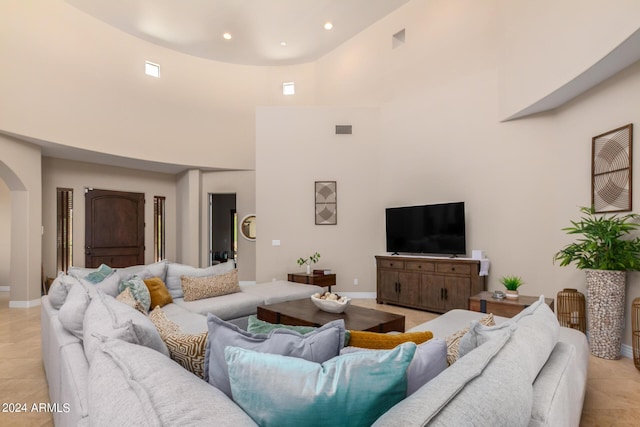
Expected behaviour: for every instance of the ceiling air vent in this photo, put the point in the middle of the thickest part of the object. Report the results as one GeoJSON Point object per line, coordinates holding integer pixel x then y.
{"type": "Point", "coordinates": [343, 130]}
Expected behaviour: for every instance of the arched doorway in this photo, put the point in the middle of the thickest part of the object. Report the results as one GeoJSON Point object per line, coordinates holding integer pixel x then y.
{"type": "Point", "coordinates": [21, 171]}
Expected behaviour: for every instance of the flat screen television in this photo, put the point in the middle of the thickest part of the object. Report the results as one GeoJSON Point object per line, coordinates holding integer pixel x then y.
{"type": "Point", "coordinates": [437, 229]}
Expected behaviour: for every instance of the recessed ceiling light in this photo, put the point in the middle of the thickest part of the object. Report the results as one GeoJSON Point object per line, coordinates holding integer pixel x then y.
{"type": "Point", "coordinates": [226, 36]}
{"type": "Point", "coordinates": [283, 43]}
{"type": "Point", "coordinates": [328, 25]}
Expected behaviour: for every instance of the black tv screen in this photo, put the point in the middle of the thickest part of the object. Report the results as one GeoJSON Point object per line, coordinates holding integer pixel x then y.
{"type": "Point", "coordinates": [427, 229]}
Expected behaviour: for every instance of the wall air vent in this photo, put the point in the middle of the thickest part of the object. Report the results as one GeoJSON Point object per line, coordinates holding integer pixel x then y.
{"type": "Point", "coordinates": [343, 130]}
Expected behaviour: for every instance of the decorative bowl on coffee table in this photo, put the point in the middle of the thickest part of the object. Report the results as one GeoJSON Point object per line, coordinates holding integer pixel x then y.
{"type": "Point", "coordinates": [331, 306]}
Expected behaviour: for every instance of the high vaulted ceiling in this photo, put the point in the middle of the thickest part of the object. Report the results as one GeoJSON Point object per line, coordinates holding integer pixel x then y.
{"type": "Point", "coordinates": [263, 32]}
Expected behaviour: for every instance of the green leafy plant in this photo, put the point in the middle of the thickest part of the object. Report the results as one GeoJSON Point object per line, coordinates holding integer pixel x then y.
{"type": "Point", "coordinates": [602, 245]}
{"type": "Point", "coordinates": [312, 259]}
{"type": "Point", "coordinates": [512, 283]}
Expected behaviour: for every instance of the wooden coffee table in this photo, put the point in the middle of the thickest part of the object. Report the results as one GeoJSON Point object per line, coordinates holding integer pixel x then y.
{"type": "Point", "coordinates": [304, 313]}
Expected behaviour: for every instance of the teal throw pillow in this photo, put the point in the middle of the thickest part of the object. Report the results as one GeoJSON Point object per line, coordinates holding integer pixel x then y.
{"type": "Point", "coordinates": [139, 291]}
{"type": "Point", "coordinates": [257, 326]}
{"type": "Point", "coordinates": [353, 389]}
{"type": "Point", "coordinates": [100, 274]}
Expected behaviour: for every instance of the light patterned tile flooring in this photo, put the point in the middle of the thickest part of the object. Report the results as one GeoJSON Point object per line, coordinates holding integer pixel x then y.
{"type": "Point", "coordinates": [612, 399]}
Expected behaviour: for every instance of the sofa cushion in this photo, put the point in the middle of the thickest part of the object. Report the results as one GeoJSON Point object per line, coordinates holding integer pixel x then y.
{"type": "Point", "coordinates": [186, 349]}
{"type": "Point", "coordinates": [73, 310]}
{"type": "Point", "coordinates": [429, 360]}
{"type": "Point", "coordinates": [59, 289]}
{"type": "Point", "coordinates": [375, 340]}
{"type": "Point", "coordinates": [537, 323]}
{"type": "Point", "coordinates": [353, 389]}
{"type": "Point", "coordinates": [158, 269]}
{"type": "Point", "coordinates": [106, 317]}
{"type": "Point", "coordinates": [158, 292]}
{"type": "Point", "coordinates": [138, 289]}
{"type": "Point", "coordinates": [175, 271]}
{"type": "Point", "coordinates": [280, 291]}
{"type": "Point", "coordinates": [426, 404]}
{"type": "Point", "coordinates": [195, 288]}
{"type": "Point", "coordinates": [189, 322]}
{"type": "Point", "coordinates": [133, 385]}
{"type": "Point", "coordinates": [317, 346]}
{"type": "Point", "coordinates": [226, 307]}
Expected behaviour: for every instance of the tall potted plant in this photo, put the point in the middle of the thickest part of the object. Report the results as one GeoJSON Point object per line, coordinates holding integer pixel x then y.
{"type": "Point", "coordinates": [606, 252]}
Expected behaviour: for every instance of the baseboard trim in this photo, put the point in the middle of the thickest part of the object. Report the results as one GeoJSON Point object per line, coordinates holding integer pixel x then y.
{"type": "Point", "coordinates": [24, 304]}
{"type": "Point", "coordinates": [359, 295]}
{"type": "Point", "coordinates": [5, 288]}
{"type": "Point", "coordinates": [626, 351]}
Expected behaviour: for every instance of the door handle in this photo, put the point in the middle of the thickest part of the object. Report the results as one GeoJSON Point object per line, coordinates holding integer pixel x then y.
{"type": "Point", "coordinates": [87, 250]}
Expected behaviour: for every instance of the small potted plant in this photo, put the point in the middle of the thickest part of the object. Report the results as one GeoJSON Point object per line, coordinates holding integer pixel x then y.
{"type": "Point", "coordinates": [512, 283]}
{"type": "Point", "coordinates": [312, 259]}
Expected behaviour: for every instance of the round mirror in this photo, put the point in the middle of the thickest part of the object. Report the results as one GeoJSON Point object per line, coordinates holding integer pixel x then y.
{"type": "Point", "coordinates": [248, 227]}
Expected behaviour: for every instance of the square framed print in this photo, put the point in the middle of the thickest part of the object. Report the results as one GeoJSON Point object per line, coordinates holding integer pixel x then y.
{"type": "Point", "coordinates": [611, 170]}
{"type": "Point", "coordinates": [326, 203]}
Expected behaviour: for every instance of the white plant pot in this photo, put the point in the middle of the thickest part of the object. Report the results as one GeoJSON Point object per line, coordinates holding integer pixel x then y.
{"type": "Point", "coordinates": [511, 294]}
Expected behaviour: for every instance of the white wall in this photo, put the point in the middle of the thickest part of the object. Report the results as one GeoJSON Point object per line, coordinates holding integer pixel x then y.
{"type": "Point", "coordinates": [294, 148]}
{"type": "Point", "coordinates": [5, 234]}
{"type": "Point", "coordinates": [78, 175]}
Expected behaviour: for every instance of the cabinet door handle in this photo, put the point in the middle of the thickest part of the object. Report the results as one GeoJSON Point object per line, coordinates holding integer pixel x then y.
{"type": "Point", "coordinates": [446, 293]}
{"type": "Point", "coordinates": [399, 287]}
{"type": "Point", "coordinates": [441, 293]}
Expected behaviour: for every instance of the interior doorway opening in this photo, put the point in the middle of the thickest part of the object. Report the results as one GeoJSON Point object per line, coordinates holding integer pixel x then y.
{"type": "Point", "coordinates": [223, 227]}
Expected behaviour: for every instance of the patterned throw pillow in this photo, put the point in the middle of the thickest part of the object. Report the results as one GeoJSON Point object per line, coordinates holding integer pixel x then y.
{"type": "Point", "coordinates": [195, 288]}
{"type": "Point", "coordinates": [186, 349]}
{"type": "Point", "coordinates": [126, 297]}
{"type": "Point", "coordinates": [139, 291]}
{"type": "Point", "coordinates": [379, 341]}
{"type": "Point", "coordinates": [158, 291]}
{"type": "Point", "coordinates": [453, 340]}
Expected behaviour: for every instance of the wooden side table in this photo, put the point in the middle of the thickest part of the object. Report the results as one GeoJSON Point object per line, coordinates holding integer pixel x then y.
{"type": "Point", "coordinates": [322, 280]}
{"type": "Point", "coordinates": [484, 302]}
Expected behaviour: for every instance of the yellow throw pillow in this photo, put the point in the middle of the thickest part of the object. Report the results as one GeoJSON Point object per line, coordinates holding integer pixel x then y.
{"type": "Point", "coordinates": [195, 288]}
{"type": "Point", "coordinates": [379, 341]}
{"type": "Point", "coordinates": [160, 295]}
{"type": "Point", "coordinates": [453, 340]}
{"type": "Point", "coordinates": [186, 349]}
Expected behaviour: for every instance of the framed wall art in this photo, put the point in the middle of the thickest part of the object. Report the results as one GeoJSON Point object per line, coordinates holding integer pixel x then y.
{"type": "Point", "coordinates": [326, 206]}
{"type": "Point", "coordinates": [611, 170]}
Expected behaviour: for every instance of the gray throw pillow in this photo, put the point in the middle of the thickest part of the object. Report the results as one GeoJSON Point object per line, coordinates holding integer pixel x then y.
{"type": "Point", "coordinates": [59, 289]}
{"type": "Point", "coordinates": [429, 360]}
{"type": "Point", "coordinates": [317, 346]}
{"type": "Point", "coordinates": [72, 312]}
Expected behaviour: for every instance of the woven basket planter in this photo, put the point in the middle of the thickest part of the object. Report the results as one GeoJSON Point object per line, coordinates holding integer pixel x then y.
{"type": "Point", "coordinates": [605, 311]}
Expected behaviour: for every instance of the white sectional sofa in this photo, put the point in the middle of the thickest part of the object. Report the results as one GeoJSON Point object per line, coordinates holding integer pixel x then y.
{"type": "Point", "coordinates": [65, 362]}
{"type": "Point", "coordinates": [524, 371]}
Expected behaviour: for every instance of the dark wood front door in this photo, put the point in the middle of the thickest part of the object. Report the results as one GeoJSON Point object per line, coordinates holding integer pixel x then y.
{"type": "Point", "coordinates": [114, 228]}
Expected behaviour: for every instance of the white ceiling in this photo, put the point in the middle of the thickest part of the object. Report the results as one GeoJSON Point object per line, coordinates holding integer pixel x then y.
{"type": "Point", "coordinates": [257, 27]}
